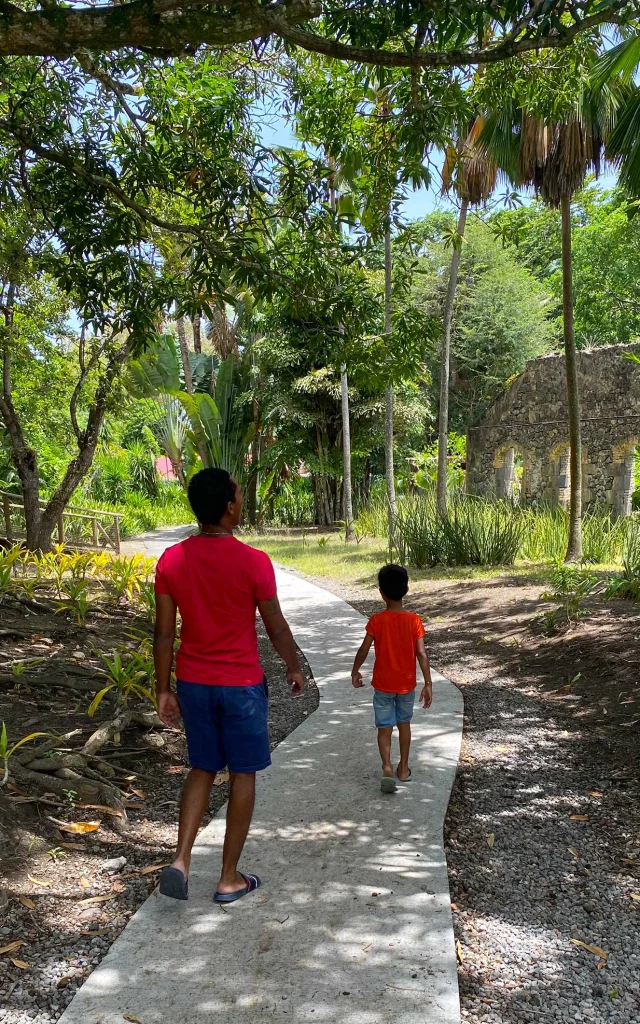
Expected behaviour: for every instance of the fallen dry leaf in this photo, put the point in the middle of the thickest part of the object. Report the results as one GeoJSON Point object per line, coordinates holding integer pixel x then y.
{"type": "Point", "coordinates": [176, 769]}
{"type": "Point", "coordinates": [96, 899]}
{"type": "Point", "coordinates": [80, 827]}
{"type": "Point", "coordinates": [138, 792]}
{"type": "Point", "coordinates": [153, 867]}
{"type": "Point", "coordinates": [97, 931]}
{"type": "Point", "coordinates": [101, 807]}
{"type": "Point", "coordinates": [118, 887]}
{"type": "Point", "coordinates": [131, 1018]}
{"type": "Point", "coordinates": [459, 952]}
{"type": "Point", "coordinates": [22, 964]}
{"type": "Point", "coordinates": [12, 947]}
{"type": "Point", "coordinates": [595, 793]}
{"type": "Point", "coordinates": [221, 778]}
{"type": "Point", "coordinates": [491, 840]}
{"type": "Point", "coordinates": [85, 883]}
{"type": "Point", "coordinates": [26, 902]}
{"type": "Point", "coordinates": [578, 817]}
{"type": "Point", "coordinates": [591, 949]}
{"type": "Point", "coordinates": [635, 896]}
{"type": "Point", "coordinates": [37, 881]}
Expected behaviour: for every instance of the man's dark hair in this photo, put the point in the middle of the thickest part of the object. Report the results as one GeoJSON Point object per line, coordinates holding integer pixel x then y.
{"type": "Point", "coordinates": [393, 581]}
{"type": "Point", "coordinates": [210, 491]}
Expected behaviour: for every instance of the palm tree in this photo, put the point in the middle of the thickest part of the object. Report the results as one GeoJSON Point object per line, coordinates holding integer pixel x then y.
{"type": "Point", "coordinates": [471, 173]}
{"type": "Point", "coordinates": [555, 159]}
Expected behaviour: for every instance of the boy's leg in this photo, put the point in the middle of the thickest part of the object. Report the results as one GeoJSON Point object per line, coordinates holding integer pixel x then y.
{"type": "Point", "coordinates": [404, 732]}
{"type": "Point", "coordinates": [239, 813]}
{"type": "Point", "coordinates": [384, 746]}
{"type": "Point", "coordinates": [404, 714]}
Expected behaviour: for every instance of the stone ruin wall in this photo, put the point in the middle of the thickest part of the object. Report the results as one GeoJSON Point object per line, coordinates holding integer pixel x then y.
{"type": "Point", "coordinates": [529, 423]}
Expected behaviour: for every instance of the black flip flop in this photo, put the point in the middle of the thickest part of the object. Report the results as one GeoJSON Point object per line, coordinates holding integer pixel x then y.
{"type": "Point", "coordinates": [174, 884]}
{"type": "Point", "coordinates": [253, 883]}
{"type": "Point", "coordinates": [408, 778]}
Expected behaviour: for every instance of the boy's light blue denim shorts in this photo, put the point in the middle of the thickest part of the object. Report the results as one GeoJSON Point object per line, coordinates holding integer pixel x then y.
{"type": "Point", "coordinates": [391, 708]}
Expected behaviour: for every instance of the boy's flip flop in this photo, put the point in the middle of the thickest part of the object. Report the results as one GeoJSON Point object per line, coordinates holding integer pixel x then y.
{"type": "Point", "coordinates": [174, 884]}
{"type": "Point", "coordinates": [388, 784]}
{"type": "Point", "coordinates": [408, 778]}
{"type": "Point", "coordinates": [253, 883]}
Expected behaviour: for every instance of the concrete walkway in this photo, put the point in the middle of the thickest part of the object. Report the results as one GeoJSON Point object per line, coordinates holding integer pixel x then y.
{"type": "Point", "coordinates": [353, 923]}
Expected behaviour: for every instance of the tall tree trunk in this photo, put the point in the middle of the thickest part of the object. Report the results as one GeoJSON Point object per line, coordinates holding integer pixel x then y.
{"type": "Point", "coordinates": [24, 457]}
{"type": "Point", "coordinates": [184, 355]}
{"type": "Point", "coordinates": [388, 396]}
{"type": "Point", "coordinates": [445, 365]}
{"type": "Point", "coordinates": [347, 493]}
{"type": "Point", "coordinates": [347, 490]}
{"type": "Point", "coordinates": [197, 337]}
{"type": "Point", "coordinates": [574, 547]}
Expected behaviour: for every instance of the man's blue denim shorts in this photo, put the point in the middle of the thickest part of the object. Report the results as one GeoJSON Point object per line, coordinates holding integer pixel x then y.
{"type": "Point", "coordinates": [226, 726]}
{"type": "Point", "coordinates": [391, 708]}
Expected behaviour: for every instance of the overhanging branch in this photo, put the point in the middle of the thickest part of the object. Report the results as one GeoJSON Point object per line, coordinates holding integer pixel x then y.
{"type": "Point", "coordinates": [174, 26]}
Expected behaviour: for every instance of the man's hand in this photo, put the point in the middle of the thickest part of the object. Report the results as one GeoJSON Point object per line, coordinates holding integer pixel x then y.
{"type": "Point", "coordinates": [356, 679]}
{"type": "Point", "coordinates": [426, 695]}
{"type": "Point", "coordinates": [169, 709]}
{"type": "Point", "coordinates": [295, 680]}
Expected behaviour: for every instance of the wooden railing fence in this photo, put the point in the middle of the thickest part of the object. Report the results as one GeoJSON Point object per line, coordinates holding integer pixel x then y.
{"type": "Point", "coordinates": [77, 527]}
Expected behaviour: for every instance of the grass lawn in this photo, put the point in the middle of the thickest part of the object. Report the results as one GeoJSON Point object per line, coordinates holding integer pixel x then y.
{"type": "Point", "coordinates": [359, 563]}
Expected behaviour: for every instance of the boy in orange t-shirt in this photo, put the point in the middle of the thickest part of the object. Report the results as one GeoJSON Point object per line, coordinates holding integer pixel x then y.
{"type": "Point", "coordinates": [398, 636]}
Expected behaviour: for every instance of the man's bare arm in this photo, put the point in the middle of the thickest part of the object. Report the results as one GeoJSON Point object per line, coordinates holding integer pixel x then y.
{"type": "Point", "coordinates": [281, 637]}
{"type": "Point", "coordinates": [163, 639]}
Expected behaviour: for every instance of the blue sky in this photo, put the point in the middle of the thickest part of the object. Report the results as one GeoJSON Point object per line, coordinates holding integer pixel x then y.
{"type": "Point", "coordinates": [275, 131]}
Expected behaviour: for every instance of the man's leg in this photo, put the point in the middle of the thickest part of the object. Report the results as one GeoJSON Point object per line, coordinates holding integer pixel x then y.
{"type": "Point", "coordinates": [384, 746]}
{"type": "Point", "coordinates": [239, 813]}
{"type": "Point", "coordinates": [194, 803]}
{"type": "Point", "coordinates": [404, 732]}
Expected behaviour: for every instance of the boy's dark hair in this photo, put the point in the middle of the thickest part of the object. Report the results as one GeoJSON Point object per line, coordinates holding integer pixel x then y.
{"type": "Point", "coordinates": [209, 493]}
{"type": "Point", "coordinates": [393, 581]}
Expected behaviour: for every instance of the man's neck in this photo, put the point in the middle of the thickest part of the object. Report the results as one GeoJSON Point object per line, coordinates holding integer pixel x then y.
{"type": "Point", "coordinates": [394, 606]}
{"type": "Point", "coordinates": [216, 530]}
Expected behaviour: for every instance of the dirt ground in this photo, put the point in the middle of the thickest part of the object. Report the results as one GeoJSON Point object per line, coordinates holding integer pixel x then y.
{"type": "Point", "coordinates": [59, 908]}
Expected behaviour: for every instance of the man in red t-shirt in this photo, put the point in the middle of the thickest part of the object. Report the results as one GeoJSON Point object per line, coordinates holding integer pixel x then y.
{"type": "Point", "coordinates": [216, 583]}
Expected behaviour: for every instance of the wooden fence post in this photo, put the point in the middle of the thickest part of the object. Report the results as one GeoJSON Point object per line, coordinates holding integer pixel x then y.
{"type": "Point", "coordinates": [116, 534]}
{"type": "Point", "coordinates": [94, 524]}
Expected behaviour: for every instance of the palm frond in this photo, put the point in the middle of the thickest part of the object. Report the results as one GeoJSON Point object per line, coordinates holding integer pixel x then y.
{"type": "Point", "coordinates": [620, 61]}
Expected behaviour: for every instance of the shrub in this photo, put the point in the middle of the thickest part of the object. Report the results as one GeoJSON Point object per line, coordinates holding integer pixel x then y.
{"type": "Point", "coordinates": [627, 585]}
{"type": "Point", "coordinates": [474, 532]}
{"type": "Point", "coordinates": [570, 588]}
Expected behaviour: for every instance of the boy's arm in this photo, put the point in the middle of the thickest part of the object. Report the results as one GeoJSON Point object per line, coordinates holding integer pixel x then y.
{"type": "Point", "coordinates": [359, 660]}
{"type": "Point", "coordinates": [426, 694]}
{"type": "Point", "coordinates": [164, 636]}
